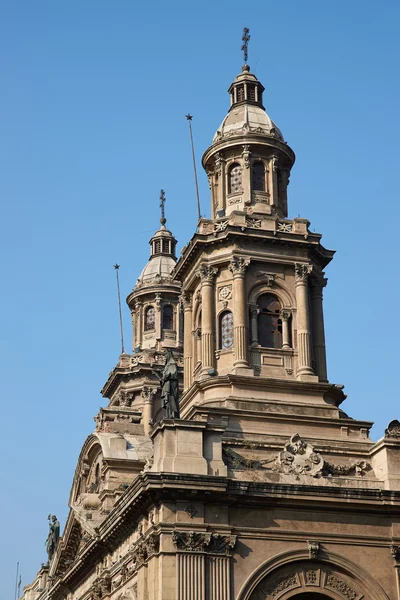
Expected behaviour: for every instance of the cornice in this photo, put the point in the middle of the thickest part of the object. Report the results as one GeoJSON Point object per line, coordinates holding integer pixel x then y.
{"type": "Point", "coordinates": [254, 139]}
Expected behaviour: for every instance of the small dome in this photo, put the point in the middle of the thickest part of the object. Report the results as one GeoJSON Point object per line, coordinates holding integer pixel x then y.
{"type": "Point", "coordinates": [247, 118]}
{"type": "Point", "coordinates": [159, 267]}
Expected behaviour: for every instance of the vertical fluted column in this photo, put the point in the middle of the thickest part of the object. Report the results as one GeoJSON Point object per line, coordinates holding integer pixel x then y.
{"type": "Point", "coordinates": [219, 578]}
{"type": "Point", "coordinates": [207, 275]}
{"type": "Point", "coordinates": [254, 311]}
{"type": "Point", "coordinates": [285, 316]}
{"type": "Point", "coordinates": [238, 266]}
{"type": "Point", "coordinates": [147, 394]}
{"type": "Point", "coordinates": [186, 300]}
{"type": "Point", "coordinates": [317, 285]}
{"type": "Point", "coordinates": [304, 368]}
{"type": "Point", "coordinates": [139, 323]}
{"type": "Point", "coordinates": [191, 577]}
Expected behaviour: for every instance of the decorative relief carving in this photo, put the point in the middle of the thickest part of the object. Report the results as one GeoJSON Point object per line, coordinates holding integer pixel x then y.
{"type": "Point", "coordinates": [124, 398]}
{"type": "Point", "coordinates": [357, 468]}
{"type": "Point", "coordinates": [282, 583]}
{"type": "Point", "coordinates": [234, 200]}
{"type": "Point", "coordinates": [185, 300]}
{"type": "Point", "coordinates": [311, 577]}
{"type": "Point", "coordinates": [313, 549]}
{"type": "Point", "coordinates": [298, 457]}
{"type": "Point", "coordinates": [207, 273]}
{"type": "Point", "coordinates": [101, 587]}
{"type": "Point", "coordinates": [393, 429]}
{"type": "Point", "coordinates": [221, 226]}
{"type": "Point", "coordinates": [283, 227]}
{"type": "Point", "coordinates": [143, 549]}
{"type": "Point", "coordinates": [225, 293]}
{"type": "Point", "coordinates": [266, 278]}
{"type": "Point", "coordinates": [218, 164]}
{"type": "Point", "coordinates": [191, 510]}
{"type": "Point", "coordinates": [191, 541]}
{"type": "Point", "coordinates": [148, 393]}
{"type": "Point", "coordinates": [285, 314]}
{"type": "Point", "coordinates": [253, 223]}
{"type": "Point", "coordinates": [395, 552]}
{"type": "Point", "coordinates": [340, 586]}
{"type": "Point", "coordinates": [302, 271]}
{"type": "Point", "coordinates": [221, 544]}
{"type": "Point", "coordinates": [238, 265]}
{"type": "Point", "coordinates": [158, 301]}
{"type": "Point", "coordinates": [246, 156]}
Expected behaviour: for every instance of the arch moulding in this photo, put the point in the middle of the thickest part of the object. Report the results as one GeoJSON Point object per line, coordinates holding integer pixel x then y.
{"type": "Point", "coordinates": [290, 574]}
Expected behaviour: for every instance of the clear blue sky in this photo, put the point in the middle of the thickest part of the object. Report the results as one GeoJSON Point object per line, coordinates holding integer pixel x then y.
{"type": "Point", "coordinates": [92, 126]}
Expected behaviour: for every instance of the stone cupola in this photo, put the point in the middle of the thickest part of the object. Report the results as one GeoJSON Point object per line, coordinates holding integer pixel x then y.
{"type": "Point", "coordinates": [248, 163]}
{"type": "Point", "coordinates": [154, 301]}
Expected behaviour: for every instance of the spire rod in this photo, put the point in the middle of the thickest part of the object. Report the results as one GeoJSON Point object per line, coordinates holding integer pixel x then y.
{"type": "Point", "coordinates": [189, 118]}
{"type": "Point", "coordinates": [245, 45]}
{"type": "Point", "coordinates": [163, 220]}
{"type": "Point", "coordinates": [116, 267]}
{"type": "Point", "coordinates": [16, 582]}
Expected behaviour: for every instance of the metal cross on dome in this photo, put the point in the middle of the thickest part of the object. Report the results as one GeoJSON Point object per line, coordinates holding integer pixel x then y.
{"type": "Point", "coordinates": [162, 202]}
{"type": "Point", "coordinates": [245, 40]}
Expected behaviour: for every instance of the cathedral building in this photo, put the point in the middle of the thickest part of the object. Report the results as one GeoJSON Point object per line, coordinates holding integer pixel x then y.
{"type": "Point", "coordinates": [253, 484]}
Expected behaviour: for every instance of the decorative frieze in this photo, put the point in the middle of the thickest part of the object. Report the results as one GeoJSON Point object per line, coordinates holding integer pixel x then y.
{"type": "Point", "coordinates": [283, 227]}
{"type": "Point", "coordinates": [335, 583]}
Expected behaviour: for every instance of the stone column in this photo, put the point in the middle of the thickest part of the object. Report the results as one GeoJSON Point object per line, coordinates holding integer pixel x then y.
{"type": "Point", "coordinates": [274, 181]}
{"type": "Point", "coordinates": [207, 275]}
{"type": "Point", "coordinates": [219, 564]}
{"type": "Point", "coordinates": [246, 175]}
{"type": "Point", "coordinates": [148, 394]}
{"type": "Point", "coordinates": [186, 300]}
{"type": "Point", "coordinates": [219, 178]}
{"type": "Point", "coordinates": [317, 285]}
{"type": "Point", "coordinates": [139, 323]}
{"type": "Point", "coordinates": [238, 266]}
{"type": "Point", "coordinates": [254, 311]}
{"type": "Point", "coordinates": [285, 316]}
{"type": "Point", "coordinates": [190, 562]}
{"type": "Point", "coordinates": [304, 367]}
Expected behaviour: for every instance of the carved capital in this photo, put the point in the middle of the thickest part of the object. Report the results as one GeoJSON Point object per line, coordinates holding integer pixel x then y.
{"type": "Point", "coordinates": [218, 164]}
{"type": "Point", "coordinates": [148, 393]}
{"type": "Point", "coordinates": [238, 265]}
{"type": "Point", "coordinates": [302, 271]}
{"type": "Point", "coordinates": [275, 160]}
{"type": "Point", "coordinates": [185, 300]}
{"type": "Point", "coordinates": [138, 305]}
{"type": "Point", "coordinates": [254, 311]}
{"type": "Point", "coordinates": [313, 549]}
{"type": "Point", "coordinates": [318, 281]}
{"type": "Point", "coordinates": [191, 541]}
{"type": "Point", "coordinates": [207, 273]}
{"type": "Point", "coordinates": [285, 314]}
{"type": "Point", "coordinates": [124, 398]}
{"type": "Point", "coordinates": [221, 544]}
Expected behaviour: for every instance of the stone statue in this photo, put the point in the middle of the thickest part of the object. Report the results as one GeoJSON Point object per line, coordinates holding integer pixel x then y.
{"type": "Point", "coordinates": [170, 388]}
{"type": "Point", "coordinates": [53, 537]}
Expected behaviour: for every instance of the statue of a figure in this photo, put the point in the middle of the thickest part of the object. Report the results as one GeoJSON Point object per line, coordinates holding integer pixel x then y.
{"type": "Point", "coordinates": [53, 537]}
{"type": "Point", "coordinates": [170, 388]}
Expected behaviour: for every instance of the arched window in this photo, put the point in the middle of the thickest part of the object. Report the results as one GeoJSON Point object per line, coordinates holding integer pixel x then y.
{"type": "Point", "coordinates": [258, 177]}
{"type": "Point", "coordinates": [168, 317]}
{"type": "Point", "coordinates": [269, 323]}
{"type": "Point", "coordinates": [150, 319]}
{"type": "Point", "coordinates": [235, 179]}
{"type": "Point", "coordinates": [226, 330]}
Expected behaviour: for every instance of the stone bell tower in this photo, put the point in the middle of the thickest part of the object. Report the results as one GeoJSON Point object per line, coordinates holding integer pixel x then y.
{"type": "Point", "coordinates": [252, 279]}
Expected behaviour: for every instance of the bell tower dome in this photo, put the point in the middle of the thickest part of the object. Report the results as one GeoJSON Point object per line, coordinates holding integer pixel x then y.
{"type": "Point", "coordinates": [248, 163]}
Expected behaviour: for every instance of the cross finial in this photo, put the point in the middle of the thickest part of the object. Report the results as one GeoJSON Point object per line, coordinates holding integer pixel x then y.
{"type": "Point", "coordinates": [245, 45]}
{"type": "Point", "coordinates": [163, 220]}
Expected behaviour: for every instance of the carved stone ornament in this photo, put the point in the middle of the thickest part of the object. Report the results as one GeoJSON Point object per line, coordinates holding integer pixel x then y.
{"type": "Point", "coordinates": [246, 156]}
{"type": "Point", "coordinates": [125, 398]}
{"type": "Point", "coordinates": [302, 271]}
{"type": "Point", "coordinates": [335, 583]}
{"type": "Point", "coordinates": [191, 510]}
{"type": "Point", "coordinates": [221, 226]}
{"type": "Point", "coordinates": [238, 265]}
{"type": "Point", "coordinates": [280, 584]}
{"type": "Point", "coordinates": [395, 552]}
{"type": "Point", "coordinates": [253, 223]}
{"type": "Point", "coordinates": [148, 393]}
{"type": "Point", "coordinates": [393, 429]}
{"type": "Point", "coordinates": [285, 314]}
{"type": "Point", "coordinates": [298, 457]}
{"type": "Point", "coordinates": [101, 587]}
{"type": "Point", "coordinates": [266, 278]}
{"type": "Point", "coordinates": [225, 293]}
{"type": "Point", "coordinates": [158, 301]}
{"type": "Point", "coordinates": [207, 273]}
{"type": "Point", "coordinates": [313, 549]}
{"type": "Point", "coordinates": [221, 544]}
{"type": "Point", "coordinates": [191, 541]}
{"type": "Point", "coordinates": [218, 164]}
{"type": "Point", "coordinates": [213, 543]}
{"type": "Point", "coordinates": [143, 549]}
{"type": "Point", "coordinates": [185, 300]}
{"type": "Point", "coordinates": [283, 227]}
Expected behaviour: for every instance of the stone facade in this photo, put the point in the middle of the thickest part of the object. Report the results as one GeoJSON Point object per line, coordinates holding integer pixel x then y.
{"type": "Point", "coordinates": [264, 488]}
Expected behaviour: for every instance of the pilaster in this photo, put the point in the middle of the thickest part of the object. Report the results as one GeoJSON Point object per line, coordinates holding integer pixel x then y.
{"type": "Point", "coordinates": [317, 285]}
{"type": "Point", "coordinates": [238, 266]}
